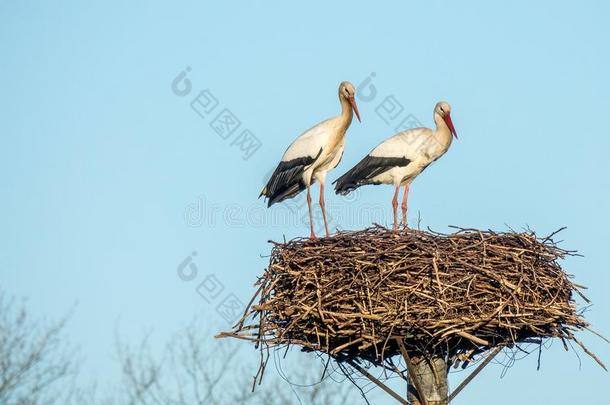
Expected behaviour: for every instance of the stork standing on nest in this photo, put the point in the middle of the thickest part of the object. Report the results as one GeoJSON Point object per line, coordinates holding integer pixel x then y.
{"type": "Point", "coordinates": [311, 156]}
{"type": "Point", "coordinates": [400, 158]}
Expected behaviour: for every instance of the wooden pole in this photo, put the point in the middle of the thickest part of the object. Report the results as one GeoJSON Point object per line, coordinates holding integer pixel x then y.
{"type": "Point", "coordinates": [430, 376]}
{"type": "Point", "coordinates": [411, 370]}
{"type": "Point", "coordinates": [428, 383]}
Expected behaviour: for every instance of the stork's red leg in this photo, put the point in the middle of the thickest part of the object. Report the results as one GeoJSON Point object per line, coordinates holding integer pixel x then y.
{"type": "Point", "coordinates": [405, 196]}
{"type": "Point", "coordinates": [323, 206]}
{"type": "Point", "coordinates": [395, 207]}
{"type": "Point", "coordinates": [312, 235]}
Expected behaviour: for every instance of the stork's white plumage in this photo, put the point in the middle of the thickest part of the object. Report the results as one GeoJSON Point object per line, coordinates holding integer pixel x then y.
{"type": "Point", "coordinates": [311, 156]}
{"type": "Point", "coordinates": [400, 158]}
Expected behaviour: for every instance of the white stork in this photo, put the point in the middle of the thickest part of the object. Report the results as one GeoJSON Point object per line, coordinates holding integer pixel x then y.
{"type": "Point", "coordinates": [400, 158]}
{"type": "Point", "coordinates": [311, 156]}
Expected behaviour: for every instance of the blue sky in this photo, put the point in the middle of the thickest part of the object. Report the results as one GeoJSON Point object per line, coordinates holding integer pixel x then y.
{"type": "Point", "coordinates": [109, 180]}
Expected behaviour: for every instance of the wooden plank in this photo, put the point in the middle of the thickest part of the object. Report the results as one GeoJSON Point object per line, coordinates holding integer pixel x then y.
{"type": "Point", "coordinates": [379, 383]}
{"type": "Point", "coordinates": [474, 373]}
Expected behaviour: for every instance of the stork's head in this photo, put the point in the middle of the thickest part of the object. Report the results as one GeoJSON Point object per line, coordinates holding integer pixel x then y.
{"type": "Point", "coordinates": [443, 110]}
{"type": "Point", "coordinates": [347, 91]}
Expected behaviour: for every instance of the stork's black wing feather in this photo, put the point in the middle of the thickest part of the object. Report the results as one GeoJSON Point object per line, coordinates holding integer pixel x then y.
{"type": "Point", "coordinates": [365, 171]}
{"type": "Point", "coordinates": [287, 179]}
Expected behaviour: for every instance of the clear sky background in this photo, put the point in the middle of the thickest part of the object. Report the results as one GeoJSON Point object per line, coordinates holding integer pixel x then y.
{"type": "Point", "coordinates": [109, 180]}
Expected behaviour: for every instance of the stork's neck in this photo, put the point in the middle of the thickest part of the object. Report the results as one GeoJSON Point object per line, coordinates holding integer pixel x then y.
{"type": "Point", "coordinates": [347, 114]}
{"type": "Point", "coordinates": [442, 133]}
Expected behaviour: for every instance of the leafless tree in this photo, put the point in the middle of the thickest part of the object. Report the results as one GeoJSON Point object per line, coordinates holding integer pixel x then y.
{"type": "Point", "coordinates": [38, 367]}
{"type": "Point", "coordinates": [34, 365]}
{"type": "Point", "coordinates": [196, 369]}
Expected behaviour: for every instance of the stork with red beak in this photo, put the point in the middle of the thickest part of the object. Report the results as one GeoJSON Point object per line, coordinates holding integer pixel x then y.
{"type": "Point", "coordinates": [400, 158]}
{"type": "Point", "coordinates": [311, 156]}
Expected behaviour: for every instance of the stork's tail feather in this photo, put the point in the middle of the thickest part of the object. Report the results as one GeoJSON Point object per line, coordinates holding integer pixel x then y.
{"type": "Point", "coordinates": [290, 192]}
{"type": "Point", "coordinates": [286, 181]}
{"type": "Point", "coordinates": [283, 192]}
{"type": "Point", "coordinates": [345, 184]}
{"type": "Point", "coordinates": [365, 172]}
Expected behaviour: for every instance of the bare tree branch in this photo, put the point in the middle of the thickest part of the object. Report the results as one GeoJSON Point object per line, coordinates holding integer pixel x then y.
{"type": "Point", "coordinates": [34, 362]}
{"type": "Point", "coordinates": [197, 369]}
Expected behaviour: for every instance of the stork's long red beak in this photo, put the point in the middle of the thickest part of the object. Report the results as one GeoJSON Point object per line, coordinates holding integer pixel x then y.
{"type": "Point", "coordinates": [352, 101]}
{"type": "Point", "coordinates": [449, 123]}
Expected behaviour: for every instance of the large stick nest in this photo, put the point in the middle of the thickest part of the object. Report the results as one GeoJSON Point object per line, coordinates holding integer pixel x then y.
{"type": "Point", "coordinates": [352, 295]}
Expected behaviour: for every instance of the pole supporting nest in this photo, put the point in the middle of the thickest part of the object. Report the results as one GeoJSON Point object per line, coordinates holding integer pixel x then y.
{"type": "Point", "coordinates": [412, 374]}
{"type": "Point", "coordinates": [436, 384]}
